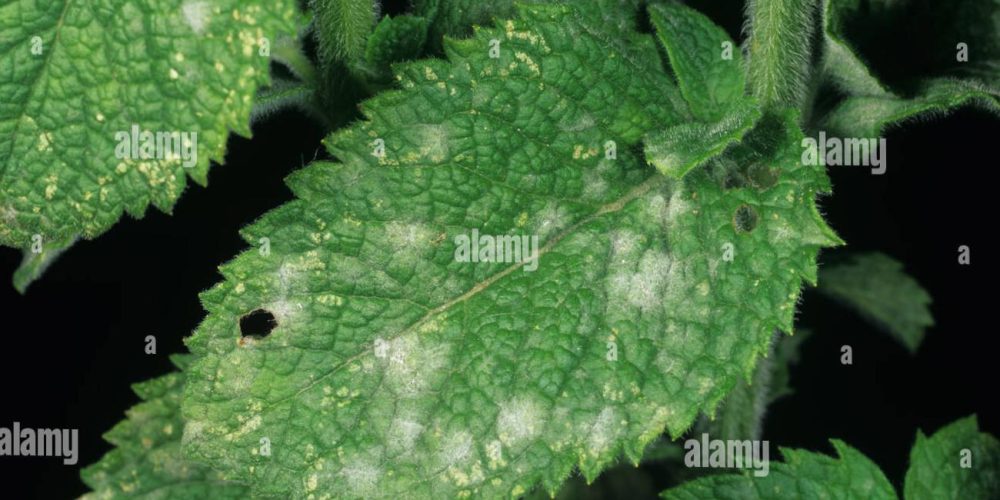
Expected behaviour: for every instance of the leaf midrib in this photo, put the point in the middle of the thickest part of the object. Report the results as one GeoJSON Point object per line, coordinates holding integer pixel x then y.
{"type": "Point", "coordinates": [636, 192]}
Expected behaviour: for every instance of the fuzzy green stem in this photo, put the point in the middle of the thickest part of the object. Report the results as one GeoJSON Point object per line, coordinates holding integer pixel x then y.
{"type": "Point", "coordinates": [780, 36]}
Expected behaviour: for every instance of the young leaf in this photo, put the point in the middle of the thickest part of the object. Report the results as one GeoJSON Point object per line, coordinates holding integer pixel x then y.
{"type": "Point", "coordinates": [803, 474]}
{"type": "Point", "coordinates": [674, 151]}
{"type": "Point", "coordinates": [841, 64]}
{"type": "Point", "coordinates": [147, 460]}
{"type": "Point", "coordinates": [77, 74]}
{"type": "Point", "coordinates": [396, 368]}
{"type": "Point", "coordinates": [956, 462]}
{"type": "Point", "coordinates": [868, 116]}
{"type": "Point", "coordinates": [876, 286]}
{"type": "Point", "coordinates": [706, 62]}
{"type": "Point", "coordinates": [455, 18]}
{"type": "Point", "coordinates": [871, 106]}
{"type": "Point", "coordinates": [395, 39]}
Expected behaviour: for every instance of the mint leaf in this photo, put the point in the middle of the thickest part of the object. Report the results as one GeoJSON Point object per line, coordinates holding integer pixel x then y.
{"type": "Point", "coordinates": [396, 370]}
{"type": "Point", "coordinates": [870, 106]}
{"type": "Point", "coordinates": [395, 39]}
{"type": "Point", "coordinates": [77, 74]}
{"type": "Point", "coordinates": [876, 287]}
{"type": "Point", "coordinates": [841, 63]}
{"type": "Point", "coordinates": [706, 62]}
{"type": "Point", "coordinates": [676, 150]}
{"type": "Point", "coordinates": [147, 461]}
{"type": "Point", "coordinates": [956, 462]}
{"type": "Point", "coordinates": [868, 116]}
{"type": "Point", "coordinates": [803, 474]}
{"type": "Point", "coordinates": [455, 18]}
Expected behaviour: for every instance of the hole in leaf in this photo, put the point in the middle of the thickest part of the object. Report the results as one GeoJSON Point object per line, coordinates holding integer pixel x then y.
{"type": "Point", "coordinates": [258, 323]}
{"type": "Point", "coordinates": [745, 219]}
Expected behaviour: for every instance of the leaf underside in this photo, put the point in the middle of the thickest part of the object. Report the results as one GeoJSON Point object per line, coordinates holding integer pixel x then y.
{"type": "Point", "coordinates": [395, 370]}
{"type": "Point", "coordinates": [77, 73]}
{"type": "Point", "coordinates": [876, 286]}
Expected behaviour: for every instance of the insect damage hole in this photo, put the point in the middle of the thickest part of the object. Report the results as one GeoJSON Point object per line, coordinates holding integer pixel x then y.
{"type": "Point", "coordinates": [257, 324]}
{"type": "Point", "coordinates": [745, 219]}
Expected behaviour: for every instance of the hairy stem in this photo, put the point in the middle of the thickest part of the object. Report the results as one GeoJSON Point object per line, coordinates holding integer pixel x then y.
{"type": "Point", "coordinates": [779, 41]}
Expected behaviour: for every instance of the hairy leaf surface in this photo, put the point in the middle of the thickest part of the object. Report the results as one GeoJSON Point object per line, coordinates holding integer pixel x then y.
{"type": "Point", "coordinates": [708, 65]}
{"type": "Point", "coordinates": [77, 73]}
{"type": "Point", "coordinates": [395, 369]}
{"type": "Point", "coordinates": [870, 106]}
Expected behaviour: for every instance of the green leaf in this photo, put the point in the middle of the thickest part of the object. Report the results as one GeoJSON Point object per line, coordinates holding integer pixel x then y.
{"type": "Point", "coordinates": [342, 27]}
{"type": "Point", "coordinates": [455, 18]}
{"type": "Point", "coordinates": [396, 39]}
{"type": "Point", "coordinates": [78, 73]}
{"type": "Point", "coordinates": [711, 83]}
{"type": "Point", "coordinates": [676, 150]}
{"type": "Point", "coordinates": [876, 287]}
{"type": "Point", "coordinates": [936, 472]}
{"type": "Point", "coordinates": [936, 464]}
{"type": "Point", "coordinates": [868, 116]}
{"type": "Point", "coordinates": [841, 63]}
{"type": "Point", "coordinates": [147, 460]}
{"type": "Point", "coordinates": [741, 414]}
{"type": "Point", "coordinates": [870, 106]}
{"type": "Point", "coordinates": [395, 370]}
{"type": "Point", "coordinates": [803, 474]}
{"type": "Point", "coordinates": [780, 50]}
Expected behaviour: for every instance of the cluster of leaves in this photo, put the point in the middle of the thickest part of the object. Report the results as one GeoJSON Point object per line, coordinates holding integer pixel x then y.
{"type": "Point", "coordinates": [660, 172]}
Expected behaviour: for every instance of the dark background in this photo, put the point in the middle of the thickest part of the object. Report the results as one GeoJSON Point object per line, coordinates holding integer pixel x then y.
{"type": "Point", "coordinates": [73, 345]}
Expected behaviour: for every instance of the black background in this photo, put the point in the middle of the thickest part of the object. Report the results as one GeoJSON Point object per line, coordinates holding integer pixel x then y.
{"type": "Point", "coordinates": [73, 345]}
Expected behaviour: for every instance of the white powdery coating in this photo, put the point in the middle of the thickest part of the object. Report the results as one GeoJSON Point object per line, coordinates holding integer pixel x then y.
{"type": "Point", "coordinates": [403, 433]}
{"type": "Point", "coordinates": [622, 243]}
{"type": "Point", "coordinates": [603, 432]}
{"type": "Point", "coordinates": [551, 219]}
{"type": "Point", "coordinates": [646, 286]}
{"type": "Point", "coordinates": [434, 142]}
{"type": "Point", "coordinates": [405, 237]}
{"type": "Point", "coordinates": [196, 15]}
{"type": "Point", "coordinates": [362, 477]}
{"type": "Point", "coordinates": [456, 449]}
{"type": "Point", "coordinates": [411, 364]}
{"type": "Point", "coordinates": [519, 419]}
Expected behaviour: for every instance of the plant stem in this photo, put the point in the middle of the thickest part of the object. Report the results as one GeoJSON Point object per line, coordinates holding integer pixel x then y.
{"type": "Point", "coordinates": [779, 45]}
